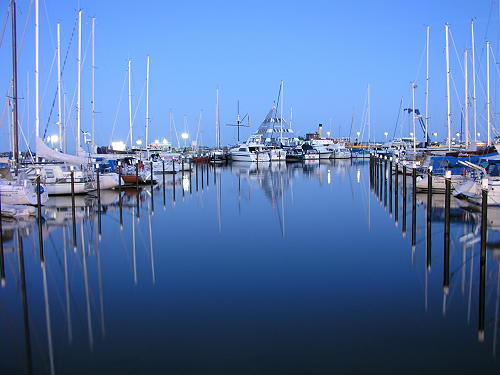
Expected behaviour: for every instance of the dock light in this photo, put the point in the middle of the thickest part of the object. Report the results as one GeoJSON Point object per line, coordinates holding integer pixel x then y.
{"type": "Point", "coordinates": [328, 134]}
{"type": "Point", "coordinates": [447, 174]}
{"type": "Point", "coordinates": [478, 134]}
{"type": "Point", "coordinates": [184, 135]}
{"type": "Point", "coordinates": [157, 142]}
{"type": "Point", "coordinates": [358, 134]}
{"type": "Point", "coordinates": [430, 168]}
{"type": "Point", "coordinates": [411, 134]}
{"type": "Point", "coordinates": [390, 159]}
{"type": "Point", "coordinates": [96, 165]}
{"type": "Point", "coordinates": [138, 142]}
{"type": "Point", "coordinates": [164, 141]}
{"type": "Point", "coordinates": [386, 134]}
{"type": "Point", "coordinates": [118, 146]}
{"type": "Point", "coordinates": [458, 135]}
{"type": "Point", "coordinates": [119, 163]}
{"type": "Point", "coordinates": [484, 184]}
{"type": "Point", "coordinates": [71, 168]}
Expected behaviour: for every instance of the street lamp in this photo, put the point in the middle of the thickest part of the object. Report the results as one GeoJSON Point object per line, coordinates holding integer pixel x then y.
{"type": "Point", "coordinates": [138, 142]}
{"type": "Point", "coordinates": [411, 134]}
{"type": "Point", "coordinates": [386, 134]}
{"type": "Point", "coordinates": [328, 134]}
{"type": "Point", "coordinates": [185, 136]}
{"type": "Point", "coordinates": [164, 141]}
{"type": "Point", "coordinates": [435, 134]}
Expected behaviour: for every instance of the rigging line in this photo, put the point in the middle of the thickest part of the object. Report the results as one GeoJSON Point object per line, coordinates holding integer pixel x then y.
{"type": "Point", "coordinates": [50, 26]}
{"type": "Point", "coordinates": [45, 90]}
{"type": "Point", "coordinates": [118, 108]}
{"type": "Point", "coordinates": [139, 102]}
{"type": "Point", "coordinates": [456, 53]}
{"type": "Point", "coordinates": [457, 95]}
{"type": "Point", "coordinates": [420, 63]}
{"type": "Point", "coordinates": [397, 119]}
{"type": "Point", "coordinates": [4, 25]}
{"type": "Point", "coordinates": [62, 72]}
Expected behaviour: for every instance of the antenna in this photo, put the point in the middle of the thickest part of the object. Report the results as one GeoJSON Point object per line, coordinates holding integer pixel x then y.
{"type": "Point", "coordinates": [239, 121]}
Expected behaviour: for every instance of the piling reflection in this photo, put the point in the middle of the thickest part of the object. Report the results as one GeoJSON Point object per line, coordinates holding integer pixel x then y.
{"type": "Point", "coordinates": [464, 232]}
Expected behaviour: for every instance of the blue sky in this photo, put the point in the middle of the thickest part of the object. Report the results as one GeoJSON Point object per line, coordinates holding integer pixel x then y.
{"type": "Point", "coordinates": [327, 53]}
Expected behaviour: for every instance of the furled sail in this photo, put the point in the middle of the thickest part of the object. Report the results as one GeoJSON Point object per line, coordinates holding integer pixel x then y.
{"type": "Point", "coordinates": [44, 151]}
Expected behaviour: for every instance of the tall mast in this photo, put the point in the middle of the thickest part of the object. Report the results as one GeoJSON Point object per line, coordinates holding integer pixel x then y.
{"type": "Point", "coordinates": [130, 103]}
{"type": "Point", "coordinates": [426, 136]}
{"type": "Point", "coordinates": [281, 116]}
{"type": "Point", "coordinates": [466, 100]}
{"type": "Point", "coordinates": [59, 109]}
{"type": "Point", "coordinates": [78, 108]}
{"type": "Point", "coordinates": [217, 120]}
{"type": "Point", "coordinates": [147, 106]}
{"type": "Point", "coordinates": [413, 87]}
{"type": "Point", "coordinates": [369, 114]}
{"type": "Point", "coordinates": [474, 82]}
{"type": "Point", "coordinates": [37, 79]}
{"type": "Point", "coordinates": [488, 102]}
{"type": "Point", "coordinates": [15, 148]}
{"type": "Point", "coordinates": [93, 84]}
{"type": "Point", "coordinates": [448, 96]}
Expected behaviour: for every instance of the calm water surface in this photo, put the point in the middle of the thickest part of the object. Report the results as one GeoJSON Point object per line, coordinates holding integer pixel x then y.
{"type": "Point", "coordinates": [282, 269]}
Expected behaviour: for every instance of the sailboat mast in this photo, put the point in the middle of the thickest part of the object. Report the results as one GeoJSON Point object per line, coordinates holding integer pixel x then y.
{"type": "Point", "coordinates": [93, 84]}
{"type": "Point", "coordinates": [79, 94]}
{"type": "Point", "coordinates": [281, 116]}
{"type": "Point", "coordinates": [15, 148]}
{"type": "Point", "coordinates": [474, 110]}
{"type": "Point", "coordinates": [369, 114]}
{"type": "Point", "coordinates": [413, 87]}
{"type": "Point", "coordinates": [37, 78]}
{"type": "Point", "coordinates": [147, 106]}
{"type": "Point", "coordinates": [426, 135]}
{"type": "Point", "coordinates": [488, 101]}
{"type": "Point", "coordinates": [466, 100]}
{"type": "Point", "coordinates": [59, 109]}
{"type": "Point", "coordinates": [448, 96]}
{"type": "Point", "coordinates": [130, 103]}
{"type": "Point", "coordinates": [217, 120]}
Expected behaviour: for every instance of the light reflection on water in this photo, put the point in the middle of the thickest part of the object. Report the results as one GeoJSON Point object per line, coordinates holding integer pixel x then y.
{"type": "Point", "coordinates": [251, 269]}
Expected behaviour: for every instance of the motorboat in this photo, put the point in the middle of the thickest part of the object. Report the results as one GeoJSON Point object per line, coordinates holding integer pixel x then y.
{"type": "Point", "coordinates": [249, 153]}
{"type": "Point", "coordinates": [57, 178]}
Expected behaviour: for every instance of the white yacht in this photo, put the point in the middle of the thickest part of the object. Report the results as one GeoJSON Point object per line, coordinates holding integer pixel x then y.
{"type": "Point", "coordinates": [339, 151]}
{"type": "Point", "coordinates": [249, 153]}
{"type": "Point", "coordinates": [57, 179]}
{"type": "Point", "coordinates": [277, 154]}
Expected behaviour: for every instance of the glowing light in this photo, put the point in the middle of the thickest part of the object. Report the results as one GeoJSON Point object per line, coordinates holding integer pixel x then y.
{"type": "Point", "coordinates": [184, 135]}
{"type": "Point", "coordinates": [118, 146]}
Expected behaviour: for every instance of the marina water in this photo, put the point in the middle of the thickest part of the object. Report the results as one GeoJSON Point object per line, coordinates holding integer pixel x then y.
{"type": "Point", "coordinates": [244, 268]}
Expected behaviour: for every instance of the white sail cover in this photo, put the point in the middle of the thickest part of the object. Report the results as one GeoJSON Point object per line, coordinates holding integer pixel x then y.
{"type": "Point", "coordinates": [44, 151]}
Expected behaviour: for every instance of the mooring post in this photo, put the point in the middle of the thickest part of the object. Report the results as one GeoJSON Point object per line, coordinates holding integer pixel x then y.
{"type": "Point", "coordinates": [482, 270]}
{"type": "Point", "coordinates": [404, 198]}
{"type": "Point", "coordinates": [152, 186]}
{"type": "Point", "coordinates": [119, 177]}
{"type": "Point", "coordinates": [429, 219]}
{"type": "Point", "coordinates": [390, 185]}
{"type": "Point", "coordinates": [73, 209]}
{"type": "Point", "coordinates": [396, 187]}
{"type": "Point", "coordinates": [173, 180]}
{"type": "Point", "coordinates": [2, 263]}
{"type": "Point", "coordinates": [196, 167]}
{"type": "Point", "coordinates": [447, 201]}
{"type": "Point", "coordinates": [39, 212]}
{"type": "Point", "coordinates": [385, 181]}
{"type": "Point", "coordinates": [414, 206]}
{"type": "Point", "coordinates": [137, 175]}
{"type": "Point", "coordinates": [98, 180]}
